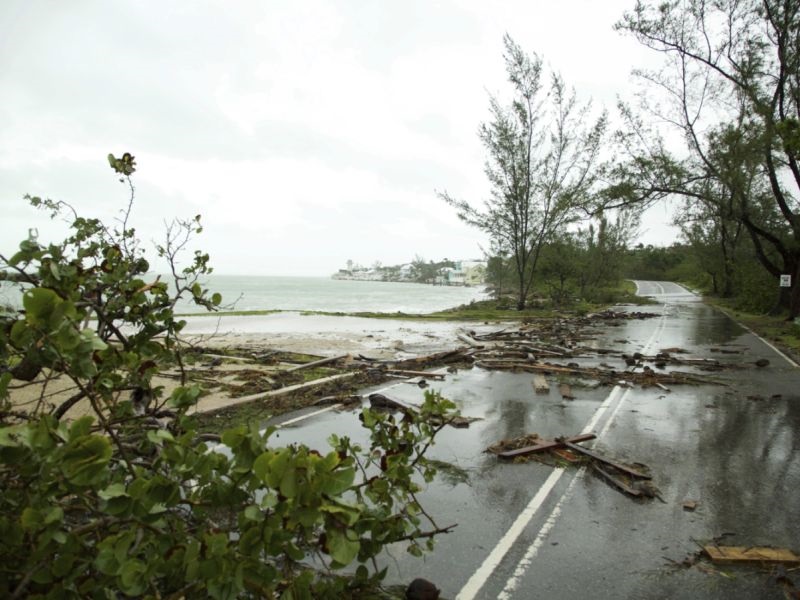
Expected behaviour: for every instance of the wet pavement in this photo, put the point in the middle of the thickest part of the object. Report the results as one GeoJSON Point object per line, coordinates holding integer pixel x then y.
{"type": "Point", "coordinates": [533, 531]}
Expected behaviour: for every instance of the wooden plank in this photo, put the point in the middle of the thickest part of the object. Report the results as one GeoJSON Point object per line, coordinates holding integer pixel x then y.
{"type": "Point", "coordinates": [317, 363]}
{"type": "Point", "coordinates": [567, 455]}
{"type": "Point", "coordinates": [616, 481]}
{"type": "Point", "coordinates": [566, 391]}
{"type": "Point", "coordinates": [225, 403]}
{"type": "Point", "coordinates": [407, 373]}
{"type": "Point", "coordinates": [540, 384]}
{"type": "Point", "coordinates": [469, 341]}
{"type": "Point", "coordinates": [743, 554]}
{"type": "Point", "coordinates": [545, 445]}
{"type": "Point", "coordinates": [603, 459]}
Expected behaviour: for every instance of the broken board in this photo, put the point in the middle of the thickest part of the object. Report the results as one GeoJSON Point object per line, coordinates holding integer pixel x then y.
{"type": "Point", "coordinates": [540, 384]}
{"type": "Point", "coordinates": [566, 391]}
{"type": "Point", "coordinates": [744, 555]}
{"type": "Point", "coordinates": [545, 445]}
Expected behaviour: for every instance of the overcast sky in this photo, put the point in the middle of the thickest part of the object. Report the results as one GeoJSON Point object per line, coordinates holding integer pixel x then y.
{"type": "Point", "coordinates": [306, 133]}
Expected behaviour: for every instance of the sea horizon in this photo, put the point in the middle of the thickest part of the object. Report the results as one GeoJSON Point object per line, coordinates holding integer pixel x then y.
{"type": "Point", "coordinates": [323, 294]}
{"type": "Point", "coordinates": [253, 293]}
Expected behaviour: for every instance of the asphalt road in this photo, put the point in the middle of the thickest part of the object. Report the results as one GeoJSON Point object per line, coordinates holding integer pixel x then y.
{"type": "Point", "coordinates": [532, 531]}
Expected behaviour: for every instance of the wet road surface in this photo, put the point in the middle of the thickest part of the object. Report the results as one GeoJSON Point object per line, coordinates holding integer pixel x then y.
{"type": "Point", "coordinates": [531, 531]}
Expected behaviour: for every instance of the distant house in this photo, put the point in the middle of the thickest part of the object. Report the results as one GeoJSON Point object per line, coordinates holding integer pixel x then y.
{"type": "Point", "coordinates": [467, 272]}
{"type": "Point", "coordinates": [455, 276]}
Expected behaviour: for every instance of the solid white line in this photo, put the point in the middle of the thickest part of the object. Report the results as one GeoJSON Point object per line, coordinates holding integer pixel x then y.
{"type": "Point", "coordinates": [789, 360]}
{"type": "Point", "coordinates": [533, 550]}
{"type": "Point", "coordinates": [475, 583]}
{"type": "Point", "coordinates": [490, 563]}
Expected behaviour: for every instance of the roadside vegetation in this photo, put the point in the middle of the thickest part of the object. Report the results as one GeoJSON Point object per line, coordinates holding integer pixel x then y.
{"type": "Point", "coordinates": [715, 129]}
{"type": "Point", "coordinates": [128, 497]}
{"type": "Point", "coordinates": [125, 496]}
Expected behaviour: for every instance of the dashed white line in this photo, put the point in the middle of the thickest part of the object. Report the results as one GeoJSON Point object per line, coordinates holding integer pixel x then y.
{"type": "Point", "coordinates": [490, 563]}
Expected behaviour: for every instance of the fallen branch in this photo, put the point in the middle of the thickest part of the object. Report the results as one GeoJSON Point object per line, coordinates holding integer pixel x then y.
{"type": "Point", "coordinates": [317, 363]}
{"type": "Point", "coordinates": [544, 445]}
{"type": "Point", "coordinates": [600, 458]}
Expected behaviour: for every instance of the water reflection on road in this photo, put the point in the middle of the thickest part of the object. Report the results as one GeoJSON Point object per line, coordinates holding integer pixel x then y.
{"type": "Point", "coordinates": [732, 445]}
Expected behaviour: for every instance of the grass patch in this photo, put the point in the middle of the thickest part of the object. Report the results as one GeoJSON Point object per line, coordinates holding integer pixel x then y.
{"type": "Point", "coordinates": [485, 310]}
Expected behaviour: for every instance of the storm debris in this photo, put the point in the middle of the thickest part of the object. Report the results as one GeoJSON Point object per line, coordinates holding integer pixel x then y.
{"type": "Point", "coordinates": [566, 391]}
{"type": "Point", "coordinates": [633, 480]}
{"type": "Point", "coordinates": [383, 402]}
{"type": "Point", "coordinates": [605, 376]}
{"type": "Point", "coordinates": [532, 443]}
{"type": "Point", "coordinates": [540, 384]}
{"type": "Point", "coordinates": [751, 554]}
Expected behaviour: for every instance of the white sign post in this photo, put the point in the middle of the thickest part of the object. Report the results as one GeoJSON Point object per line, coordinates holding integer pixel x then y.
{"type": "Point", "coordinates": [786, 281]}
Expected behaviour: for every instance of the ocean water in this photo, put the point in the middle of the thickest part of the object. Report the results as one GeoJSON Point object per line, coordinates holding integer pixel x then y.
{"type": "Point", "coordinates": [318, 294]}
{"type": "Point", "coordinates": [330, 295]}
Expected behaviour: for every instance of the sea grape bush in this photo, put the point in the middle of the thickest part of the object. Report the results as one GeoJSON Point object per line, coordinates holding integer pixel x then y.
{"type": "Point", "coordinates": [129, 499]}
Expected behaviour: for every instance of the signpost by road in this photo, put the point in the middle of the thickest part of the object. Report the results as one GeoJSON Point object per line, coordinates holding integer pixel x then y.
{"type": "Point", "coordinates": [786, 281]}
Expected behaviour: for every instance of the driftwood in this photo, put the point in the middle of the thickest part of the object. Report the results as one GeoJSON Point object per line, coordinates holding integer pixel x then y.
{"type": "Point", "coordinates": [752, 554]}
{"type": "Point", "coordinates": [540, 384]}
{"type": "Point", "coordinates": [605, 375]}
{"type": "Point", "coordinates": [384, 402]}
{"type": "Point", "coordinates": [600, 458]}
{"type": "Point", "coordinates": [616, 481]}
{"type": "Point", "coordinates": [469, 341]}
{"type": "Point", "coordinates": [406, 373]}
{"type": "Point", "coordinates": [542, 446]}
{"type": "Point", "coordinates": [448, 356]}
{"type": "Point", "coordinates": [317, 363]}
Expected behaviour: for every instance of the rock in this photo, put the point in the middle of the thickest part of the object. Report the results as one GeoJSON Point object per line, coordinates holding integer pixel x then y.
{"type": "Point", "coordinates": [422, 589]}
{"type": "Point", "coordinates": [762, 362]}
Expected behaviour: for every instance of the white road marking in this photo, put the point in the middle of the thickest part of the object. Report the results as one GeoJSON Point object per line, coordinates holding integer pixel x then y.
{"type": "Point", "coordinates": [481, 576]}
{"type": "Point", "coordinates": [490, 563]}
{"type": "Point", "coordinates": [789, 360]}
{"type": "Point", "coordinates": [533, 549]}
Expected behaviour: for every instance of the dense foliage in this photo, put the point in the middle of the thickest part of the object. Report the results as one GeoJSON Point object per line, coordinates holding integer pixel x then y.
{"type": "Point", "coordinates": [729, 86]}
{"type": "Point", "coordinates": [108, 490]}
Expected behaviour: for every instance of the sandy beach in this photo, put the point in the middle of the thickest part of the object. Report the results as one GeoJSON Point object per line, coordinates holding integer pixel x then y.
{"type": "Point", "coordinates": [329, 335]}
{"type": "Point", "coordinates": [317, 335]}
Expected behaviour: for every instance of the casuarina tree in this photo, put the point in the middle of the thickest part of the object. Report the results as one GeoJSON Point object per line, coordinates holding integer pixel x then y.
{"type": "Point", "coordinates": [542, 155]}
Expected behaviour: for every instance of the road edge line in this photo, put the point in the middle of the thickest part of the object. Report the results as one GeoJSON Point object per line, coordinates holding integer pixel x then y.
{"type": "Point", "coordinates": [769, 345]}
